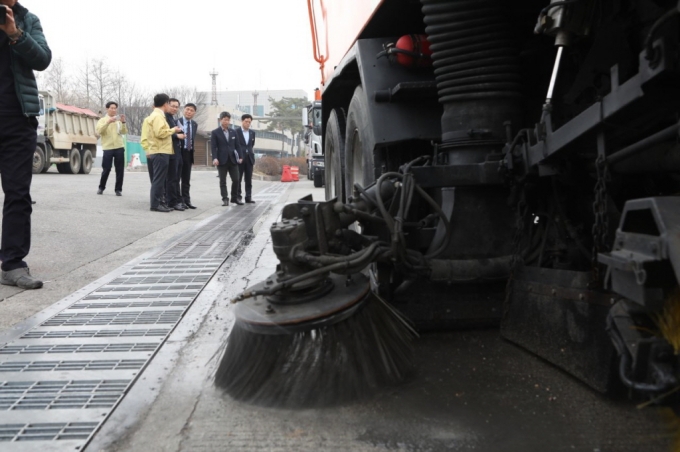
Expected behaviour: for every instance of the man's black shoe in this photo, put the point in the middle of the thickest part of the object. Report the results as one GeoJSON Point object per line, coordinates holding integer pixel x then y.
{"type": "Point", "coordinates": [118, 193]}
{"type": "Point", "coordinates": [100, 191]}
{"type": "Point", "coordinates": [237, 202]}
{"type": "Point", "coordinates": [179, 207]}
{"type": "Point", "coordinates": [161, 208]}
{"type": "Point", "coordinates": [250, 201]}
{"type": "Point", "coordinates": [190, 206]}
{"type": "Point", "coordinates": [225, 202]}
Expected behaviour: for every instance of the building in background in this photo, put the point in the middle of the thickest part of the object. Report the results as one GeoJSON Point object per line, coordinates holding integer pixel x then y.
{"type": "Point", "coordinates": [255, 103]}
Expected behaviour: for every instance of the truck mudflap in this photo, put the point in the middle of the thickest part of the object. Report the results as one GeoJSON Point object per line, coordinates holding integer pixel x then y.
{"type": "Point", "coordinates": [554, 315]}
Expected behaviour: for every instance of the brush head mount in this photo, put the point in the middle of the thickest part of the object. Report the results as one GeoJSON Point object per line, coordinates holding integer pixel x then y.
{"type": "Point", "coordinates": [334, 300]}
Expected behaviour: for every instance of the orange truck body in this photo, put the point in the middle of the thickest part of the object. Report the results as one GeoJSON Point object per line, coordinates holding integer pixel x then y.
{"type": "Point", "coordinates": [336, 25]}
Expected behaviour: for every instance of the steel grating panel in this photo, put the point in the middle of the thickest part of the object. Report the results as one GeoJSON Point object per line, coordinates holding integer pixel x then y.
{"type": "Point", "coordinates": [61, 379]}
{"type": "Point", "coordinates": [116, 318]}
{"type": "Point", "coordinates": [134, 304]}
{"type": "Point", "coordinates": [71, 365]}
{"type": "Point", "coordinates": [78, 348]}
{"type": "Point", "coordinates": [54, 395]}
{"type": "Point", "coordinates": [146, 295]}
{"type": "Point", "coordinates": [152, 288]}
{"type": "Point", "coordinates": [47, 431]}
{"type": "Point", "coordinates": [155, 332]}
{"type": "Point", "coordinates": [168, 279]}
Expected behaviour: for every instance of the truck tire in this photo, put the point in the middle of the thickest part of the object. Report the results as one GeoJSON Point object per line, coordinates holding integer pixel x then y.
{"type": "Point", "coordinates": [334, 156]}
{"type": "Point", "coordinates": [360, 165]}
{"type": "Point", "coordinates": [85, 161]}
{"type": "Point", "coordinates": [38, 160]}
{"type": "Point", "coordinates": [73, 164]}
{"type": "Point", "coordinates": [48, 158]}
{"type": "Point", "coordinates": [318, 180]}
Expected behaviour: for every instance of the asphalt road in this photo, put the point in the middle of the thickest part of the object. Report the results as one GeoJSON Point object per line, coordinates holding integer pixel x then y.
{"type": "Point", "coordinates": [473, 391]}
{"type": "Point", "coordinates": [79, 236]}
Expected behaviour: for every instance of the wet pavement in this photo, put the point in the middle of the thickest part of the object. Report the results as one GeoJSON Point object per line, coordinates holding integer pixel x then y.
{"type": "Point", "coordinates": [473, 391]}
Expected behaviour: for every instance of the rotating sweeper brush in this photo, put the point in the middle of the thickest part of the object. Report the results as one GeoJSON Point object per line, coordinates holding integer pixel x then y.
{"type": "Point", "coordinates": [321, 351]}
{"type": "Point", "coordinates": [314, 333]}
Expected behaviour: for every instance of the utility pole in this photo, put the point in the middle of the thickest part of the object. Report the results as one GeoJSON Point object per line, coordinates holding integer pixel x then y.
{"type": "Point", "coordinates": [214, 75]}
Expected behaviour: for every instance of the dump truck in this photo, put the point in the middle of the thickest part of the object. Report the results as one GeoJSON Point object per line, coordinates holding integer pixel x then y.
{"type": "Point", "coordinates": [311, 120]}
{"type": "Point", "coordinates": [67, 137]}
{"type": "Point", "coordinates": [500, 163]}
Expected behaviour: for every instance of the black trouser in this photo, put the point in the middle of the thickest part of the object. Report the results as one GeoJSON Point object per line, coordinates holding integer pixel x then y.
{"type": "Point", "coordinates": [172, 189]}
{"type": "Point", "coordinates": [117, 157]}
{"type": "Point", "coordinates": [232, 169]}
{"type": "Point", "coordinates": [18, 141]}
{"type": "Point", "coordinates": [246, 171]}
{"type": "Point", "coordinates": [149, 166]}
{"type": "Point", "coordinates": [160, 164]}
{"type": "Point", "coordinates": [185, 175]}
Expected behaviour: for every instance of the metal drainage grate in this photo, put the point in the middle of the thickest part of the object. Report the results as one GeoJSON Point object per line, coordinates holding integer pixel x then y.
{"type": "Point", "coordinates": [47, 431]}
{"type": "Point", "coordinates": [51, 395]}
{"type": "Point", "coordinates": [134, 288]}
{"type": "Point", "coordinates": [116, 318]}
{"type": "Point", "coordinates": [166, 279]}
{"type": "Point", "coordinates": [78, 348]}
{"type": "Point", "coordinates": [189, 295]}
{"type": "Point", "coordinates": [48, 366]}
{"type": "Point", "coordinates": [158, 332]}
{"type": "Point", "coordinates": [134, 304]}
{"type": "Point", "coordinates": [46, 395]}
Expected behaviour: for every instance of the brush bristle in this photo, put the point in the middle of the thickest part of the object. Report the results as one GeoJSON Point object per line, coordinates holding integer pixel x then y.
{"type": "Point", "coordinates": [669, 320]}
{"type": "Point", "coordinates": [327, 366]}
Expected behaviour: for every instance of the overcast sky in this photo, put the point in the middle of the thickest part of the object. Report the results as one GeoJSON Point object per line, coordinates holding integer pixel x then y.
{"type": "Point", "coordinates": [252, 44]}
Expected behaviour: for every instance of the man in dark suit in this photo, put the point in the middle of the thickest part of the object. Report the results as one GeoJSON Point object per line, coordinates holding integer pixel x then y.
{"type": "Point", "coordinates": [190, 128]}
{"type": "Point", "coordinates": [246, 140]}
{"type": "Point", "coordinates": [174, 201]}
{"type": "Point", "coordinates": [226, 154]}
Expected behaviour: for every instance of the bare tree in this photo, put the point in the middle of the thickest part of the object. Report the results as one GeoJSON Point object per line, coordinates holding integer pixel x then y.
{"type": "Point", "coordinates": [83, 86]}
{"type": "Point", "coordinates": [56, 80]}
{"type": "Point", "coordinates": [101, 82]}
{"type": "Point", "coordinates": [188, 94]}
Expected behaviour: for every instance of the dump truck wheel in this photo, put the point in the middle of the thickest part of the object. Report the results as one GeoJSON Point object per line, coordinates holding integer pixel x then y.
{"type": "Point", "coordinates": [38, 160]}
{"type": "Point", "coordinates": [85, 161]}
{"type": "Point", "coordinates": [48, 157]}
{"type": "Point", "coordinates": [73, 164]}
{"type": "Point", "coordinates": [334, 153]}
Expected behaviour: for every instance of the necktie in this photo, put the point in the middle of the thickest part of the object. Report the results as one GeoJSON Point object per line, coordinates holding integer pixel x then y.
{"type": "Point", "coordinates": [189, 136]}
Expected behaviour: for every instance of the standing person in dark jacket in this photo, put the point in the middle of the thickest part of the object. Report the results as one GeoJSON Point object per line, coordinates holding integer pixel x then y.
{"type": "Point", "coordinates": [23, 49]}
{"type": "Point", "coordinates": [190, 128]}
{"type": "Point", "coordinates": [172, 192]}
{"type": "Point", "coordinates": [226, 154]}
{"type": "Point", "coordinates": [246, 139]}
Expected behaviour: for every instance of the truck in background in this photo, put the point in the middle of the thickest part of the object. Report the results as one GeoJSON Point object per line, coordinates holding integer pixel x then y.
{"type": "Point", "coordinates": [66, 136]}
{"type": "Point", "coordinates": [311, 119]}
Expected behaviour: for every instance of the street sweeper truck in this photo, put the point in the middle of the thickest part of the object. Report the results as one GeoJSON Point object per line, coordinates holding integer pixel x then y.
{"type": "Point", "coordinates": [487, 163]}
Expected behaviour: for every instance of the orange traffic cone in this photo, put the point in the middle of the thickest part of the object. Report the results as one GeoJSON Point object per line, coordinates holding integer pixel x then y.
{"type": "Point", "coordinates": [286, 175]}
{"type": "Point", "coordinates": [295, 172]}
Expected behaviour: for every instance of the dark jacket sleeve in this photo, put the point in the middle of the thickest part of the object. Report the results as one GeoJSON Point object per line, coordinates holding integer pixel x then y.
{"type": "Point", "coordinates": [213, 144]}
{"type": "Point", "coordinates": [32, 47]}
{"type": "Point", "coordinates": [239, 146]}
